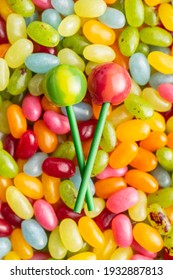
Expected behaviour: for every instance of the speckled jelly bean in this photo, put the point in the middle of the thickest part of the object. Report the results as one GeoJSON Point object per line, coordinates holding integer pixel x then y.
{"type": "Point", "coordinates": [165, 158]}
{"type": "Point", "coordinates": [5, 74]}
{"type": "Point", "coordinates": [56, 248]}
{"type": "Point", "coordinates": [162, 176]}
{"type": "Point", "coordinates": [144, 160]}
{"type": "Point", "coordinates": [5, 246]}
{"type": "Point", "coordinates": [128, 40]}
{"type": "Point", "coordinates": [58, 167]}
{"type": "Point", "coordinates": [122, 230]}
{"type": "Point", "coordinates": [113, 18]}
{"type": "Point", "coordinates": [33, 166]}
{"type": "Point", "coordinates": [156, 36]}
{"type": "Point", "coordinates": [138, 212]}
{"type": "Point", "coordinates": [90, 9]}
{"type": "Point", "coordinates": [168, 243]}
{"type": "Point", "coordinates": [134, 8]}
{"type": "Point", "coordinates": [8, 166]}
{"type": "Point", "coordinates": [34, 234]}
{"type": "Point", "coordinates": [52, 17]}
{"type": "Point", "coordinates": [68, 56]}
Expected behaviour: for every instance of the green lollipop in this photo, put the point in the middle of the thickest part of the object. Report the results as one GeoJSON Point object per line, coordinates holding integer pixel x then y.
{"type": "Point", "coordinates": [65, 85]}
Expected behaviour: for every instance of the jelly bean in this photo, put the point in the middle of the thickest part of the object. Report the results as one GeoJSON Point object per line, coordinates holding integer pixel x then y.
{"type": "Point", "coordinates": [122, 254]}
{"type": "Point", "coordinates": [11, 255]}
{"type": "Point", "coordinates": [156, 36]}
{"type": "Point", "coordinates": [91, 232]}
{"type": "Point", "coordinates": [161, 62]}
{"type": "Point", "coordinates": [5, 228]}
{"type": "Point", "coordinates": [101, 161]}
{"type": "Point", "coordinates": [18, 52]}
{"type": "Point", "coordinates": [19, 79]}
{"type": "Point", "coordinates": [19, 203]}
{"type": "Point", "coordinates": [144, 160]}
{"type": "Point", "coordinates": [42, 49]}
{"type": "Point", "coordinates": [122, 230]}
{"type": "Point", "coordinates": [99, 204]}
{"type": "Point", "coordinates": [40, 256]}
{"type": "Point", "coordinates": [77, 43]}
{"type": "Point", "coordinates": [43, 4]}
{"type": "Point", "coordinates": [47, 140]}
{"type": "Point", "coordinates": [151, 17]}
{"type": "Point", "coordinates": [158, 219]}
{"type": "Point", "coordinates": [128, 40]}
{"type": "Point", "coordinates": [5, 74]}
{"type": "Point", "coordinates": [33, 166]}
{"type": "Point", "coordinates": [57, 123]}
{"type": "Point", "coordinates": [51, 188]}
{"type": "Point", "coordinates": [16, 28]}
{"type": "Point", "coordinates": [4, 184]}
{"type": "Point", "coordinates": [147, 237]}
{"type": "Point", "coordinates": [99, 53]}
{"type": "Point", "coordinates": [83, 256]}
{"type": "Point", "coordinates": [52, 17]}
{"type": "Point", "coordinates": [113, 18]}
{"type": "Point", "coordinates": [5, 9]}
{"type": "Point", "coordinates": [141, 180]}
{"type": "Point", "coordinates": [34, 234]}
{"type": "Point", "coordinates": [45, 214]}
{"type": "Point", "coordinates": [162, 176]}
{"type": "Point", "coordinates": [68, 193]}
{"type": "Point", "coordinates": [143, 48]}
{"type": "Point", "coordinates": [68, 56]}
{"type": "Point", "coordinates": [170, 140]}
{"type": "Point", "coordinates": [119, 115]}
{"type": "Point", "coordinates": [168, 241]}
{"type": "Point", "coordinates": [56, 248]}
{"type": "Point", "coordinates": [69, 25]}
{"type": "Point", "coordinates": [70, 235]}
{"type": "Point", "coordinates": [16, 120]}
{"type": "Point", "coordinates": [154, 98]}
{"type": "Point", "coordinates": [64, 212]}
{"type": "Point", "coordinates": [141, 75]}
{"type": "Point", "coordinates": [113, 185]}
{"type": "Point", "coordinates": [112, 172]}
{"type": "Point", "coordinates": [58, 167]}
{"type": "Point", "coordinates": [165, 13]}
{"type": "Point", "coordinates": [158, 78]}
{"type": "Point", "coordinates": [86, 129]}
{"type": "Point", "coordinates": [27, 145]}
{"type": "Point", "coordinates": [65, 8]}
{"type": "Point", "coordinates": [140, 257]}
{"type": "Point", "coordinates": [10, 216]}
{"type": "Point", "coordinates": [123, 154]}
{"type": "Point", "coordinates": [35, 84]}
{"type": "Point", "coordinates": [122, 200]}
{"type": "Point", "coordinates": [156, 122]}
{"type": "Point", "coordinates": [139, 130]}
{"type": "Point", "coordinates": [4, 127]}
{"type": "Point", "coordinates": [8, 166]}
{"type": "Point", "coordinates": [165, 158]}
{"type": "Point", "coordinates": [104, 220]}
{"type": "Point", "coordinates": [76, 179]}
{"type": "Point", "coordinates": [20, 245]}
{"type": "Point", "coordinates": [154, 2]}
{"type": "Point", "coordinates": [65, 150]}
{"type": "Point", "coordinates": [169, 125]}
{"type": "Point", "coordinates": [165, 91]}
{"type": "Point", "coordinates": [90, 9]}
{"type": "Point", "coordinates": [3, 49]}
{"type": "Point", "coordinates": [26, 9]}
{"type": "Point", "coordinates": [43, 33]}
{"type": "Point", "coordinates": [3, 34]}
{"type": "Point", "coordinates": [33, 17]}
{"type": "Point", "coordinates": [10, 145]}
{"type": "Point", "coordinates": [134, 8]}
{"type": "Point", "coordinates": [108, 140]}
{"type": "Point", "coordinates": [165, 50]}
{"type": "Point", "coordinates": [140, 250]}
{"type": "Point", "coordinates": [138, 212]}
{"type": "Point", "coordinates": [5, 246]}
{"type": "Point", "coordinates": [164, 197]}
{"type": "Point", "coordinates": [83, 111]}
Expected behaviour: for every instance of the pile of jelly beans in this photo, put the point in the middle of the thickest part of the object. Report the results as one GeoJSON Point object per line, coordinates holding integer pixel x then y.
{"type": "Point", "coordinates": [132, 178]}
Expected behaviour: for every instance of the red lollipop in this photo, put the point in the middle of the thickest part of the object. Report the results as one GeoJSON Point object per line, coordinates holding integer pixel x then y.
{"type": "Point", "coordinates": [107, 83]}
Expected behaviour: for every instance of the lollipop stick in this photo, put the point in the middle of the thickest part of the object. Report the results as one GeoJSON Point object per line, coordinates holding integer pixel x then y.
{"type": "Point", "coordinates": [91, 158]}
{"type": "Point", "coordinates": [79, 152]}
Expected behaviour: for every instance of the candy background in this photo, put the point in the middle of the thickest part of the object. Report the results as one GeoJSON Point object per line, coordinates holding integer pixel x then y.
{"type": "Point", "coordinates": [131, 181]}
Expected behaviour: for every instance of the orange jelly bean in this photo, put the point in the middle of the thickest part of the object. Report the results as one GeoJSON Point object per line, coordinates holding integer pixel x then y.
{"type": "Point", "coordinates": [3, 49]}
{"type": "Point", "coordinates": [123, 154]}
{"type": "Point", "coordinates": [48, 105]}
{"type": "Point", "coordinates": [51, 188]}
{"type": "Point", "coordinates": [97, 108]}
{"type": "Point", "coordinates": [4, 184]}
{"type": "Point", "coordinates": [20, 245]}
{"type": "Point", "coordinates": [144, 160]}
{"type": "Point", "coordinates": [148, 237]}
{"type": "Point", "coordinates": [16, 120]}
{"type": "Point", "coordinates": [170, 140]}
{"type": "Point", "coordinates": [141, 180]}
{"type": "Point", "coordinates": [112, 185]}
{"type": "Point", "coordinates": [47, 140]}
{"type": "Point", "coordinates": [154, 141]}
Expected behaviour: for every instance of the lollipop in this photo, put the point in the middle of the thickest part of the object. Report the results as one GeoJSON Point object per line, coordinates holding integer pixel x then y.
{"type": "Point", "coordinates": [107, 83]}
{"type": "Point", "coordinates": [66, 85]}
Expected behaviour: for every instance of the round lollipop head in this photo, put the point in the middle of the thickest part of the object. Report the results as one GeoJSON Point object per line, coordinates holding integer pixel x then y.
{"type": "Point", "coordinates": [109, 82]}
{"type": "Point", "coordinates": [65, 85]}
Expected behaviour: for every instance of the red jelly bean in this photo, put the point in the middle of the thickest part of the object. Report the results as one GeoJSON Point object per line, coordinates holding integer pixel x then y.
{"type": "Point", "coordinates": [10, 145]}
{"type": "Point", "coordinates": [86, 129]}
{"type": "Point", "coordinates": [38, 48]}
{"type": "Point", "coordinates": [63, 212]}
{"type": "Point", "coordinates": [3, 34]}
{"type": "Point", "coordinates": [5, 228]}
{"type": "Point", "coordinates": [58, 167]}
{"type": "Point", "coordinates": [27, 145]}
{"type": "Point", "coordinates": [104, 219]}
{"type": "Point", "coordinates": [10, 216]}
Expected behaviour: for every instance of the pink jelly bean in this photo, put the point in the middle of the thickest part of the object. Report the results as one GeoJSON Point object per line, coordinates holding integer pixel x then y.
{"type": "Point", "coordinates": [27, 145]}
{"type": "Point", "coordinates": [57, 123]}
{"type": "Point", "coordinates": [31, 107]}
{"type": "Point", "coordinates": [166, 91]}
{"type": "Point", "coordinates": [122, 200]}
{"type": "Point", "coordinates": [109, 172]}
{"type": "Point", "coordinates": [142, 251]}
{"type": "Point", "coordinates": [45, 214]}
{"type": "Point", "coordinates": [40, 256]}
{"type": "Point", "coordinates": [42, 4]}
{"type": "Point", "coordinates": [139, 257]}
{"type": "Point", "coordinates": [122, 230]}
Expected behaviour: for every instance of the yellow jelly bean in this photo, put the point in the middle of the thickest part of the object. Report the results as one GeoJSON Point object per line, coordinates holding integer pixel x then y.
{"type": "Point", "coordinates": [99, 53]}
{"type": "Point", "coordinates": [18, 52]}
{"type": "Point", "coordinates": [12, 255]}
{"type": "Point", "coordinates": [162, 62]}
{"type": "Point", "coordinates": [20, 245]}
{"type": "Point", "coordinates": [169, 125]}
{"type": "Point", "coordinates": [51, 188]}
{"type": "Point", "coordinates": [99, 205]}
{"type": "Point", "coordinates": [68, 56]}
{"type": "Point", "coordinates": [119, 115]}
{"type": "Point", "coordinates": [69, 25]}
{"type": "Point", "coordinates": [122, 254]}
{"type": "Point", "coordinates": [29, 186]}
{"type": "Point", "coordinates": [19, 203]}
{"type": "Point", "coordinates": [165, 13]}
{"type": "Point", "coordinates": [155, 2]}
{"type": "Point", "coordinates": [5, 10]}
{"type": "Point", "coordinates": [138, 212]}
{"type": "Point", "coordinates": [83, 256]}
{"type": "Point", "coordinates": [156, 122]}
{"type": "Point", "coordinates": [98, 33]}
{"type": "Point", "coordinates": [56, 248]}
{"type": "Point", "coordinates": [4, 74]}
{"type": "Point", "coordinates": [89, 67]}
{"type": "Point", "coordinates": [135, 88]}
{"type": "Point", "coordinates": [148, 237]}
{"type": "Point", "coordinates": [90, 232]}
{"type": "Point", "coordinates": [90, 8]}
{"type": "Point", "coordinates": [16, 28]}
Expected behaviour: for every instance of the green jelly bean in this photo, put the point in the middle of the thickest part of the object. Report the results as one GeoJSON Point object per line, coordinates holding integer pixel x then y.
{"type": "Point", "coordinates": [5, 95]}
{"type": "Point", "coordinates": [101, 162]}
{"type": "Point", "coordinates": [134, 11]}
{"type": "Point", "coordinates": [108, 140]}
{"type": "Point", "coordinates": [128, 40]}
{"type": "Point", "coordinates": [24, 8]}
{"type": "Point", "coordinates": [158, 218]}
{"type": "Point", "coordinates": [76, 42]}
{"type": "Point", "coordinates": [162, 176]}
{"type": "Point", "coordinates": [165, 158]}
{"type": "Point", "coordinates": [150, 16]}
{"type": "Point", "coordinates": [119, 5]}
{"type": "Point", "coordinates": [143, 48]}
{"type": "Point", "coordinates": [168, 243]}
{"type": "Point", "coordinates": [19, 79]}
{"type": "Point", "coordinates": [8, 166]}
{"type": "Point", "coordinates": [155, 36]}
{"type": "Point", "coordinates": [138, 107]}
{"type": "Point", "coordinates": [164, 197]}
{"type": "Point", "coordinates": [0, 100]}
{"type": "Point", "coordinates": [4, 128]}
{"type": "Point", "coordinates": [35, 84]}
{"type": "Point", "coordinates": [68, 193]}
{"type": "Point", "coordinates": [55, 246]}
{"type": "Point", "coordinates": [43, 33]}
{"type": "Point", "coordinates": [65, 150]}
